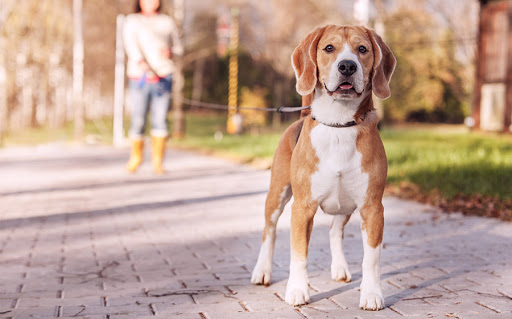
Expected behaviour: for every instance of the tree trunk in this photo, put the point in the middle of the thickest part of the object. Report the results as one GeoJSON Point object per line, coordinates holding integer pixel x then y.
{"type": "Point", "coordinates": [60, 105]}
{"type": "Point", "coordinates": [197, 90]}
{"type": "Point", "coordinates": [3, 95]}
{"type": "Point", "coordinates": [178, 77]}
{"type": "Point", "coordinates": [33, 99]}
{"type": "Point", "coordinates": [27, 104]}
{"type": "Point", "coordinates": [178, 131]}
{"type": "Point", "coordinates": [118, 134]}
{"type": "Point", "coordinates": [24, 78]}
{"type": "Point", "coordinates": [41, 115]}
{"type": "Point", "coordinates": [5, 10]}
{"type": "Point", "coordinates": [78, 69]}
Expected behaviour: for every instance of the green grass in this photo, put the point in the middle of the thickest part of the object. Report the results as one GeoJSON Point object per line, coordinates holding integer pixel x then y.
{"type": "Point", "coordinates": [452, 161]}
{"type": "Point", "coordinates": [99, 130]}
{"type": "Point", "coordinates": [247, 147]}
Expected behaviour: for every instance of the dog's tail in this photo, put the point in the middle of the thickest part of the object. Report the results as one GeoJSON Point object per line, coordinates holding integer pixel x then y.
{"type": "Point", "coordinates": [306, 101]}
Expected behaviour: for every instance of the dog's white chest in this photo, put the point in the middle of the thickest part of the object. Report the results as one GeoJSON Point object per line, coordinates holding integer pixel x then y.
{"type": "Point", "coordinates": [339, 186]}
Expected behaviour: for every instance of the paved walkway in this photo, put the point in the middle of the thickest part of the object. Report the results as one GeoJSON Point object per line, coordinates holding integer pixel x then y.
{"type": "Point", "coordinates": [80, 238]}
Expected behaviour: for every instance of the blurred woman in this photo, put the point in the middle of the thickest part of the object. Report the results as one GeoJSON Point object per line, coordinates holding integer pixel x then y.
{"type": "Point", "coordinates": [148, 37]}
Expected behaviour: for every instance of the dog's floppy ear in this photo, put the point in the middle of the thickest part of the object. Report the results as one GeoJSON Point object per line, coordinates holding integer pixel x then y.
{"type": "Point", "coordinates": [304, 62]}
{"type": "Point", "coordinates": [383, 65]}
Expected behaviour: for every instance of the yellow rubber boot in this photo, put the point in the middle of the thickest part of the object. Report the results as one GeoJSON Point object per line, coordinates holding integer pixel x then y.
{"type": "Point", "coordinates": [135, 156]}
{"type": "Point", "coordinates": [158, 149]}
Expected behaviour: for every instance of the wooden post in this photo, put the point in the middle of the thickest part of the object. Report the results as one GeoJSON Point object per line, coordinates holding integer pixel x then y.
{"type": "Point", "coordinates": [508, 84]}
{"type": "Point", "coordinates": [118, 132]}
{"type": "Point", "coordinates": [480, 67]}
{"type": "Point", "coordinates": [78, 70]}
{"type": "Point", "coordinates": [178, 130]}
{"type": "Point", "coordinates": [492, 99]}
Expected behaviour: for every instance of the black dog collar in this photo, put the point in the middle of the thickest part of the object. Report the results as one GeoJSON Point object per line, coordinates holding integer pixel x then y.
{"type": "Point", "coordinates": [340, 125]}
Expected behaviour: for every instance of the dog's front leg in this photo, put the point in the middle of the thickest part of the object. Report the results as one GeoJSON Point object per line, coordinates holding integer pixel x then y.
{"type": "Point", "coordinates": [372, 227]}
{"type": "Point", "coordinates": [339, 265]}
{"type": "Point", "coordinates": [297, 292]}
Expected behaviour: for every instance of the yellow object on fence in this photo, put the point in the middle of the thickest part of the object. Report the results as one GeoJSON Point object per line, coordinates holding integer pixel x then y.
{"type": "Point", "coordinates": [252, 103]}
{"type": "Point", "coordinates": [234, 120]}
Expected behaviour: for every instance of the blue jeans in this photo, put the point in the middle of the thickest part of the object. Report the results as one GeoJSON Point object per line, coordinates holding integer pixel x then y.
{"type": "Point", "coordinates": [150, 96]}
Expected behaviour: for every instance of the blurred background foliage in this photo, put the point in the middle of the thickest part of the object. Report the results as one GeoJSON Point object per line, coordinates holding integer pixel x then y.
{"type": "Point", "coordinates": [428, 85]}
{"type": "Point", "coordinates": [433, 40]}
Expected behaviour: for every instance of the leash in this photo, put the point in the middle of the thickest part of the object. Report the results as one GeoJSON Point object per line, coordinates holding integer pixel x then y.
{"type": "Point", "coordinates": [281, 109]}
{"type": "Point", "coordinates": [285, 109]}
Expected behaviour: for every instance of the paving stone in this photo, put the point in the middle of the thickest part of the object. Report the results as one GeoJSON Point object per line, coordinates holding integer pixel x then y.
{"type": "Point", "coordinates": [79, 238]}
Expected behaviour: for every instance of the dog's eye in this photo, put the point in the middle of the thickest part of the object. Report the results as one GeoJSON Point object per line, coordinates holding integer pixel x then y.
{"type": "Point", "coordinates": [362, 49]}
{"type": "Point", "coordinates": [329, 48]}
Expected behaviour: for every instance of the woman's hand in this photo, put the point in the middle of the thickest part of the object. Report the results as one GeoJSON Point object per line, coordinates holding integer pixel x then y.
{"type": "Point", "coordinates": [166, 53]}
{"type": "Point", "coordinates": [143, 65]}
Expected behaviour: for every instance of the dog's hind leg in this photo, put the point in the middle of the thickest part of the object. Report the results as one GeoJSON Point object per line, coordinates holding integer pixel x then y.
{"type": "Point", "coordinates": [278, 196]}
{"type": "Point", "coordinates": [339, 265]}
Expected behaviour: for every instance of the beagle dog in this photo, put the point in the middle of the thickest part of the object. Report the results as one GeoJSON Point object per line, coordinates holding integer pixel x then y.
{"type": "Point", "coordinates": [332, 158]}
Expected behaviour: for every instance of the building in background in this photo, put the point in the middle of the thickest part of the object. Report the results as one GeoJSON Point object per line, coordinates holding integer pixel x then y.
{"type": "Point", "coordinates": [492, 101]}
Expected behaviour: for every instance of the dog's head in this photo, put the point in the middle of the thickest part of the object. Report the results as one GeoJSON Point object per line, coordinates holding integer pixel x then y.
{"type": "Point", "coordinates": [344, 61]}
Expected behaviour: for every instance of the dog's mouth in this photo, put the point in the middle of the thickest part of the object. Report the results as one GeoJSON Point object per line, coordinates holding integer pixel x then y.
{"type": "Point", "coordinates": [345, 88]}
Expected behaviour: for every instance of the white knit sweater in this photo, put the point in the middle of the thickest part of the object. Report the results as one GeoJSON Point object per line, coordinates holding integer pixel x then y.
{"type": "Point", "coordinates": [145, 38]}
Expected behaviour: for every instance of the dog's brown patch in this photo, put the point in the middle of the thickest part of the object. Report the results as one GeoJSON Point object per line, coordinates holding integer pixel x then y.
{"type": "Point", "coordinates": [383, 66]}
{"type": "Point", "coordinates": [304, 62]}
{"type": "Point", "coordinates": [280, 172]}
{"type": "Point", "coordinates": [375, 164]}
{"type": "Point", "coordinates": [304, 163]}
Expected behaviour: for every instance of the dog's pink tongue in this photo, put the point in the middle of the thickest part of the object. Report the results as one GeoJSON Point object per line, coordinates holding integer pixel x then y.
{"type": "Point", "coordinates": [346, 86]}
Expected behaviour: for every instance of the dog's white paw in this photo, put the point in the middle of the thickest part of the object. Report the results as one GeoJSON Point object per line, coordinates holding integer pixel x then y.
{"type": "Point", "coordinates": [296, 296]}
{"type": "Point", "coordinates": [297, 289]}
{"type": "Point", "coordinates": [371, 300]}
{"type": "Point", "coordinates": [340, 272]}
{"type": "Point", "coordinates": [262, 274]}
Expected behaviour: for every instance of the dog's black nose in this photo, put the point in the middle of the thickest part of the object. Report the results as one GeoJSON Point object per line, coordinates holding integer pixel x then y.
{"type": "Point", "coordinates": [347, 67]}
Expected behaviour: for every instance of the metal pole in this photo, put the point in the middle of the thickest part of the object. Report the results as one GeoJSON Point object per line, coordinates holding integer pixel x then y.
{"type": "Point", "coordinates": [3, 94]}
{"type": "Point", "coordinates": [78, 69]}
{"type": "Point", "coordinates": [233, 125]}
{"type": "Point", "coordinates": [118, 134]}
